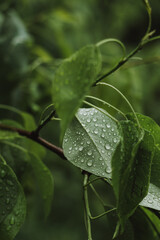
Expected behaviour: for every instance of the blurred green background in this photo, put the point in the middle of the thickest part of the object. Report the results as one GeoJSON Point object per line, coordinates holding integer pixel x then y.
{"type": "Point", "coordinates": [34, 38]}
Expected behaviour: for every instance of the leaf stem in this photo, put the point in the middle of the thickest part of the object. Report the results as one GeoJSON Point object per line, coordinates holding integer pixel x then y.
{"type": "Point", "coordinates": [97, 194]}
{"type": "Point", "coordinates": [108, 40]}
{"type": "Point", "coordinates": [86, 203]}
{"type": "Point", "coordinates": [106, 103]}
{"type": "Point", "coordinates": [101, 110]}
{"type": "Point", "coordinates": [44, 122]}
{"type": "Point", "coordinates": [35, 138]}
{"type": "Point", "coordinates": [103, 214]}
{"type": "Point", "coordinates": [120, 63]}
{"type": "Point", "coordinates": [111, 86]}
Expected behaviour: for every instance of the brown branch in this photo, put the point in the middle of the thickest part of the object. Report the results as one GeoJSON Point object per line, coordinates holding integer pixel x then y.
{"type": "Point", "coordinates": [35, 138]}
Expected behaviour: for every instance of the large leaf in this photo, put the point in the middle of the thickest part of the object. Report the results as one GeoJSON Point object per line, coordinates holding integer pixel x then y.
{"type": "Point", "coordinates": [13, 205]}
{"type": "Point", "coordinates": [152, 200]}
{"type": "Point", "coordinates": [131, 169]}
{"type": "Point", "coordinates": [43, 176]}
{"type": "Point", "coordinates": [90, 141]}
{"type": "Point", "coordinates": [73, 80]}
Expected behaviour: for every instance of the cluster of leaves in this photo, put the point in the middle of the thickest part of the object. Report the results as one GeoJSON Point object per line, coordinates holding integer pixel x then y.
{"type": "Point", "coordinates": [20, 159]}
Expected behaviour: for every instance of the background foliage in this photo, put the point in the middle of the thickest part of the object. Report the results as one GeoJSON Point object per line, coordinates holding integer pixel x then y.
{"type": "Point", "coordinates": [34, 38]}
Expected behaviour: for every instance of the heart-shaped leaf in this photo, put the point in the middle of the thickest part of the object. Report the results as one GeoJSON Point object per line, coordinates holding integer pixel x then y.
{"type": "Point", "coordinates": [90, 141]}
{"type": "Point", "coordinates": [73, 80]}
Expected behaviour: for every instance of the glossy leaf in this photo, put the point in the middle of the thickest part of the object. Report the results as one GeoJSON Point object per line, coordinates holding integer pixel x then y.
{"type": "Point", "coordinates": [13, 205]}
{"type": "Point", "coordinates": [42, 174]}
{"type": "Point", "coordinates": [131, 169]}
{"type": "Point", "coordinates": [90, 141]}
{"type": "Point", "coordinates": [73, 80]}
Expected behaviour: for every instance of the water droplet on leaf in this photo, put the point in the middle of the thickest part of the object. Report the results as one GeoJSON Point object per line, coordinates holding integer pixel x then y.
{"type": "Point", "coordinates": [108, 146]}
{"type": "Point", "coordinates": [89, 163]}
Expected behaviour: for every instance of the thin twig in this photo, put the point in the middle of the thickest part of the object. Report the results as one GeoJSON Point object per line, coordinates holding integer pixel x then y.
{"type": "Point", "coordinates": [52, 114]}
{"type": "Point", "coordinates": [35, 138]}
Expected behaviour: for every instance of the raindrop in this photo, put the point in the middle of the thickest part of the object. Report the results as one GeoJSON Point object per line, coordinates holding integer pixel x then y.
{"type": "Point", "coordinates": [108, 170]}
{"type": "Point", "coordinates": [94, 119]}
{"type": "Point", "coordinates": [108, 125]}
{"type": "Point", "coordinates": [96, 131]}
{"type": "Point", "coordinates": [102, 135]}
{"type": "Point", "coordinates": [70, 148]}
{"type": "Point", "coordinates": [82, 160]}
{"type": "Point", "coordinates": [96, 124]}
{"type": "Point", "coordinates": [65, 140]}
{"type": "Point", "coordinates": [88, 142]}
{"type": "Point", "coordinates": [102, 151]}
{"type": "Point", "coordinates": [80, 148]}
{"type": "Point", "coordinates": [115, 140]}
{"type": "Point", "coordinates": [88, 120]}
{"type": "Point", "coordinates": [89, 153]}
{"type": "Point", "coordinates": [89, 163]}
{"type": "Point", "coordinates": [104, 120]}
{"type": "Point", "coordinates": [104, 130]}
{"type": "Point", "coordinates": [150, 201]}
{"type": "Point", "coordinates": [112, 129]}
{"type": "Point", "coordinates": [7, 200]}
{"type": "Point", "coordinates": [83, 125]}
{"type": "Point", "coordinates": [100, 158]}
{"type": "Point", "coordinates": [108, 146]}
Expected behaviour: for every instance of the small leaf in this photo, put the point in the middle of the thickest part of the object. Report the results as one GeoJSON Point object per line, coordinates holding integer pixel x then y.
{"type": "Point", "coordinates": [73, 80]}
{"type": "Point", "coordinates": [13, 205]}
{"type": "Point", "coordinates": [90, 141]}
{"type": "Point", "coordinates": [131, 169]}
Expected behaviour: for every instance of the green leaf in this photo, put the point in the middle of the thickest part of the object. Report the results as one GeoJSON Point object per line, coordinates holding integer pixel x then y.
{"type": "Point", "coordinates": [44, 181]}
{"type": "Point", "coordinates": [152, 200]}
{"type": "Point", "coordinates": [73, 80]}
{"type": "Point", "coordinates": [42, 174]}
{"type": "Point", "coordinates": [149, 125]}
{"type": "Point", "coordinates": [131, 165]}
{"type": "Point", "coordinates": [143, 226]}
{"type": "Point", "coordinates": [90, 141]}
{"type": "Point", "coordinates": [13, 205]}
